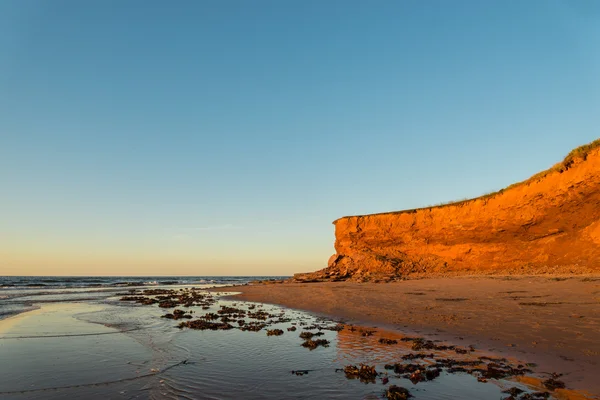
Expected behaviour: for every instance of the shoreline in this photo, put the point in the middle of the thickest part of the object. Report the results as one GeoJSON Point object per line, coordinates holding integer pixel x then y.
{"type": "Point", "coordinates": [553, 322]}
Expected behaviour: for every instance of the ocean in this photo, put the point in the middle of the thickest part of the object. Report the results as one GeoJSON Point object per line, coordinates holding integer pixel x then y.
{"type": "Point", "coordinates": [22, 293]}
{"type": "Point", "coordinates": [63, 282]}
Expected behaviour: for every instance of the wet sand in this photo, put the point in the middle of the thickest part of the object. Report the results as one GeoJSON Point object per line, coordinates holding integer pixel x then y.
{"type": "Point", "coordinates": [49, 349]}
{"type": "Point", "coordinates": [554, 322]}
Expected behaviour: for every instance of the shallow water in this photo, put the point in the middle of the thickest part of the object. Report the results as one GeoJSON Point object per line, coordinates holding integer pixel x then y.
{"type": "Point", "coordinates": [105, 348]}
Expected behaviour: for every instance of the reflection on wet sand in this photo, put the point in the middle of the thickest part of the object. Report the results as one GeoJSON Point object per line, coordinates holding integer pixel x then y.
{"type": "Point", "coordinates": [419, 360]}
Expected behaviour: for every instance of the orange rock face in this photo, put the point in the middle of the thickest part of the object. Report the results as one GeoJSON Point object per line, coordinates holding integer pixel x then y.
{"type": "Point", "coordinates": [547, 224]}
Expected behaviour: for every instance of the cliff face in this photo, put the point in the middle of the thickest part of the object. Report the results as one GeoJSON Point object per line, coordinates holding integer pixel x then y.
{"type": "Point", "coordinates": [547, 224]}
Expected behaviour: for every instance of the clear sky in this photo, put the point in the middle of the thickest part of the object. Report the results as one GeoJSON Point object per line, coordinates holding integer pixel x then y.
{"type": "Point", "coordinates": [224, 137]}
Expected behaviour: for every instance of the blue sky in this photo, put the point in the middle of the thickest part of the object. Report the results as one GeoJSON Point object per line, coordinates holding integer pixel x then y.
{"type": "Point", "coordinates": [224, 137]}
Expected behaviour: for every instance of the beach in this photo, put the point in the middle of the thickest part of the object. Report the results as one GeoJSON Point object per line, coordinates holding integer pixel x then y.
{"type": "Point", "coordinates": [551, 321]}
{"type": "Point", "coordinates": [433, 339]}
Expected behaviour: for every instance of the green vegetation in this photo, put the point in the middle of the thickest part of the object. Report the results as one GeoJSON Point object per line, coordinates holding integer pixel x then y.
{"type": "Point", "coordinates": [447, 203]}
{"type": "Point", "coordinates": [579, 153]}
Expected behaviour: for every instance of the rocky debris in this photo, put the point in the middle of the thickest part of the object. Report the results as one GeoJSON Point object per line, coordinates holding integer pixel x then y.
{"type": "Point", "coordinates": [301, 372]}
{"type": "Point", "coordinates": [336, 328]}
{"type": "Point", "coordinates": [157, 292]}
{"type": "Point", "coordinates": [140, 299]}
{"type": "Point", "coordinates": [492, 370]}
{"type": "Point", "coordinates": [397, 393]}
{"type": "Point", "coordinates": [309, 335]}
{"type": "Point", "coordinates": [415, 356]}
{"type": "Point", "coordinates": [518, 394]}
{"type": "Point", "coordinates": [177, 314]}
{"type": "Point", "coordinates": [553, 383]}
{"type": "Point", "coordinates": [535, 396]}
{"type": "Point", "coordinates": [313, 344]}
{"type": "Point", "coordinates": [501, 371]}
{"type": "Point", "coordinates": [281, 320]}
{"type": "Point", "coordinates": [364, 373]}
{"type": "Point", "coordinates": [483, 369]}
{"type": "Point", "coordinates": [410, 339]}
{"type": "Point", "coordinates": [260, 315]}
{"type": "Point", "coordinates": [167, 304]}
{"type": "Point", "coordinates": [422, 344]}
{"type": "Point", "coordinates": [424, 374]}
{"type": "Point", "coordinates": [253, 326]}
{"type": "Point", "coordinates": [267, 281]}
{"type": "Point", "coordinates": [322, 327]}
{"type": "Point", "coordinates": [232, 312]}
{"type": "Point", "coordinates": [201, 324]}
{"type": "Point", "coordinates": [170, 298]}
{"type": "Point", "coordinates": [415, 372]}
{"type": "Point", "coordinates": [513, 391]}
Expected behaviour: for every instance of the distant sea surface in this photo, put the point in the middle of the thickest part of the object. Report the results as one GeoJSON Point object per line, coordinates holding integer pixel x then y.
{"type": "Point", "coordinates": [23, 293]}
{"type": "Point", "coordinates": [62, 282]}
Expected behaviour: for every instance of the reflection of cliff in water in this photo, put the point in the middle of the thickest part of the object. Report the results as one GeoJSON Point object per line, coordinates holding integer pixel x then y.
{"type": "Point", "coordinates": [376, 347]}
{"type": "Point", "coordinates": [362, 344]}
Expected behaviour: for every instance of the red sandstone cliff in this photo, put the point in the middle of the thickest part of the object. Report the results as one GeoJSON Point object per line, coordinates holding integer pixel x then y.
{"type": "Point", "coordinates": [547, 224]}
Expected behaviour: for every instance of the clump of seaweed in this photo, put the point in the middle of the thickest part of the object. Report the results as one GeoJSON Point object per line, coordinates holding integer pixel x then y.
{"type": "Point", "coordinates": [310, 335]}
{"type": "Point", "coordinates": [313, 344]}
{"type": "Point", "coordinates": [177, 314]}
{"type": "Point", "coordinates": [252, 326]}
{"type": "Point", "coordinates": [364, 373]}
{"type": "Point", "coordinates": [202, 325]}
{"type": "Point", "coordinates": [397, 393]}
{"type": "Point", "coordinates": [553, 383]}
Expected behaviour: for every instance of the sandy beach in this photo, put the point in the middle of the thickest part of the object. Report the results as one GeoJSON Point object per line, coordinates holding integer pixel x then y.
{"type": "Point", "coordinates": [553, 322]}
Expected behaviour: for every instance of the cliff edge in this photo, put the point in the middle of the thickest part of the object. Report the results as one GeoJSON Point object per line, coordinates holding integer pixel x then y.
{"type": "Point", "coordinates": [549, 223]}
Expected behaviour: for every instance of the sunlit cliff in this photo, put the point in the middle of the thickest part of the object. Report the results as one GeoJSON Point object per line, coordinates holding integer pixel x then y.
{"type": "Point", "coordinates": [549, 223]}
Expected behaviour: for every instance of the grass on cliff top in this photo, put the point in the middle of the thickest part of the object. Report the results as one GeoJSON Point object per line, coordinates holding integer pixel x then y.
{"type": "Point", "coordinates": [579, 153]}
